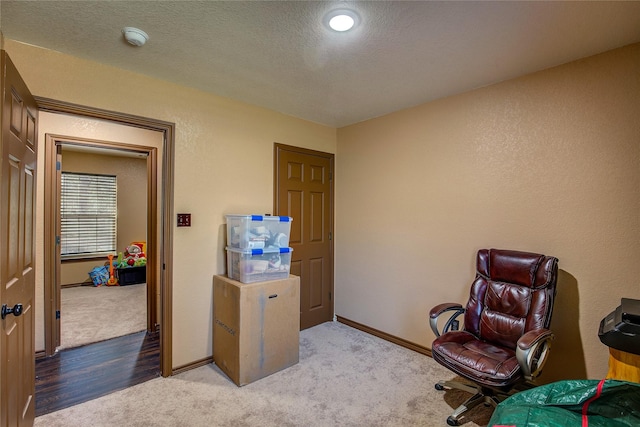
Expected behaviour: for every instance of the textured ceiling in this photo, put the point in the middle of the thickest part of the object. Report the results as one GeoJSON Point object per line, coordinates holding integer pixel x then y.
{"type": "Point", "coordinates": [278, 54]}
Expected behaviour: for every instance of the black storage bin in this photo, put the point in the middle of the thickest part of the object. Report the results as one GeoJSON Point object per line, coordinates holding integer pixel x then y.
{"type": "Point", "coordinates": [131, 275]}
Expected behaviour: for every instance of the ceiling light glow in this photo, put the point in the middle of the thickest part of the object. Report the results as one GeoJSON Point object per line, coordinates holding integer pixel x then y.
{"type": "Point", "coordinates": [341, 20]}
{"type": "Point", "coordinates": [341, 23]}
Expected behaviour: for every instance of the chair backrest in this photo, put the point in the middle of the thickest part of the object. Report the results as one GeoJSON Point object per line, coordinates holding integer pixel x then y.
{"type": "Point", "coordinates": [513, 293]}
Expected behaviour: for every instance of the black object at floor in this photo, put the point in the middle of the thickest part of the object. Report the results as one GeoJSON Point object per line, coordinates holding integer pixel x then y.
{"type": "Point", "coordinates": [131, 275]}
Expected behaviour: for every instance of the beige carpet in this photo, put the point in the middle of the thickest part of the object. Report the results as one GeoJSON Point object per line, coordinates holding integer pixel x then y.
{"type": "Point", "coordinates": [90, 314]}
{"type": "Point", "coordinates": [345, 378]}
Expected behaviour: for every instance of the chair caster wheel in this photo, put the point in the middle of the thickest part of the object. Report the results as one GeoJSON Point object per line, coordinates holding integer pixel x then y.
{"type": "Point", "coordinates": [452, 421]}
{"type": "Point", "coordinates": [439, 386]}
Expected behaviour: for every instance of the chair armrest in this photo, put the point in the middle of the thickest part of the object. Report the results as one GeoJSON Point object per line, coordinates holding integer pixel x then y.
{"type": "Point", "coordinates": [532, 351]}
{"type": "Point", "coordinates": [453, 309]}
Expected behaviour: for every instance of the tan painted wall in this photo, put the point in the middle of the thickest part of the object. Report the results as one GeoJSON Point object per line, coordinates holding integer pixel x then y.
{"type": "Point", "coordinates": [547, 163]}
{"type": "Point", "coordinates": [131, 179]}
{"type": "Point", "coordinates": [223, 164]}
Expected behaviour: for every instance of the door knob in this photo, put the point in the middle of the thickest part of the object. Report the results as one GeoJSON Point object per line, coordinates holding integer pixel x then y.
{"type": "Point", "coordinates": [16, 310]}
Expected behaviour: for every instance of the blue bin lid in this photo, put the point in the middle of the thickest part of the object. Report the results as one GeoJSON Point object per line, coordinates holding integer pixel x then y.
{"type": "Point", "coordinates": [263, 217]}
{"type": "Point", "coordinates": [268, 250]}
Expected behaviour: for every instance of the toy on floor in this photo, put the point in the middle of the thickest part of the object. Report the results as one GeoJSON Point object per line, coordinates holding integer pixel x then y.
{"type": "Point", "coordinates": [99, 275]}
{"type": "Point", "coordinates": [112, 279]}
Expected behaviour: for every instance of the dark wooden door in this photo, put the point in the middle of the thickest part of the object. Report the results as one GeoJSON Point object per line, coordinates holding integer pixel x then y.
{"type": "Point", "coordinates": [17, 248]}
{"type": "Point", "coordinates": [303, 182]}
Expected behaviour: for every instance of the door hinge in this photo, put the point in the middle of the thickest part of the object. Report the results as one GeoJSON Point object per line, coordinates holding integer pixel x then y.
{"type": "Point", "coordinates": [58, 166]}
{"type": "Point", "coordinates": [329, 296]}
{"type": "Point", "coordinates": [57, 314]}
{"type": "Point", "coordinates": [330, 175]}
{"type": "Point", "coordinates": [57, 240]}
{"type": "Point", "coordinates": [330, 236]}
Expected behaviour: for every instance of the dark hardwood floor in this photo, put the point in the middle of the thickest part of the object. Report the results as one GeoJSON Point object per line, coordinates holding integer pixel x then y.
{"type": "Point", "coordinates": [84, 373]}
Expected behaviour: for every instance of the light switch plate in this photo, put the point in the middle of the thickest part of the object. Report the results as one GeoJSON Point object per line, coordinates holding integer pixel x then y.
{"type": "Point", "coordinates": [184, 220]}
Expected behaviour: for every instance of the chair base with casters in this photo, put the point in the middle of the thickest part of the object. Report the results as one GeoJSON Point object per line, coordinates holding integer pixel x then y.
{"type": "Point", "coordinates": [479, 395]}
{"type": "Point", "coordinates": [500, 340]}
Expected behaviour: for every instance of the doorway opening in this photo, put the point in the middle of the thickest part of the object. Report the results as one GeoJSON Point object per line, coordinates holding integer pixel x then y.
{"type": "Point", "coordinates": [159, 230]}
{"type": "Point", "coordinates": [101, 210]}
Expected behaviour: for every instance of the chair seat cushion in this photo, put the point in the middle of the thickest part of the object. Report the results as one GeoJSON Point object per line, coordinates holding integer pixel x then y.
{"type": "Point", "coordinates": [476, 360]}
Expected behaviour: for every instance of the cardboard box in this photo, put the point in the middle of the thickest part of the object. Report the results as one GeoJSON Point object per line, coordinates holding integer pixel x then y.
{"type": "Point", "coordinates": [256, 327]}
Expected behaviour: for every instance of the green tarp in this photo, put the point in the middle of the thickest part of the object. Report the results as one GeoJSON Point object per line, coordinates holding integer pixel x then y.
{"type": "Point", "coordinates": [591, 403]}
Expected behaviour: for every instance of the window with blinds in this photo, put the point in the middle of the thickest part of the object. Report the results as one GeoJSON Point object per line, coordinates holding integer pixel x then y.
{"type": "Point", "coordinates": [88, 214]}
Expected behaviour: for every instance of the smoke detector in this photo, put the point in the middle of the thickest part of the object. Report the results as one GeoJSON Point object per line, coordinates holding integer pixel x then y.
{"type": "Point", "coordinates": [135, 36]}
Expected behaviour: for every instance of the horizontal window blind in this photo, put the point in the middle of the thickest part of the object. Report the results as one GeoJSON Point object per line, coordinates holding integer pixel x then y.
{"type": "Point", "coordinates": [89, 214]}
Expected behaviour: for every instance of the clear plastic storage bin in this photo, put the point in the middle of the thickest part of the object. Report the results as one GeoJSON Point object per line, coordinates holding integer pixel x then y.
{"type": "Point", "coordinates": [258, 231]}
{"type": "Point", "coordinates": [258, 265]}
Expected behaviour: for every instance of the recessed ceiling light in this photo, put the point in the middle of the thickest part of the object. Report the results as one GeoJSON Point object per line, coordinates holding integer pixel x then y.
{"type": "Point", "coordinates": [341, 20]}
